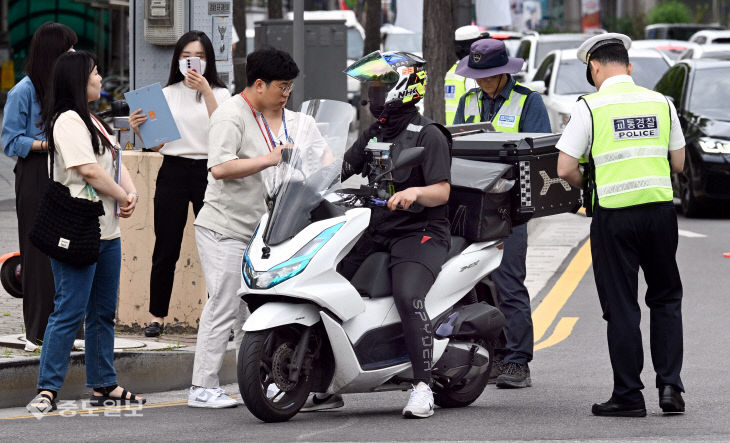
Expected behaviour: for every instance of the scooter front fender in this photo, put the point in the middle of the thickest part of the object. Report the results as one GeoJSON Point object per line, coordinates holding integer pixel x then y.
{"type": "Point", "coordinates": [273, 314]}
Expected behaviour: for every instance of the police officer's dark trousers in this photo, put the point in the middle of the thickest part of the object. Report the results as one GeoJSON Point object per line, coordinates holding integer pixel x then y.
{"type": "Point", "coordinates": [514, 299]}
{"type": "Point", "coordinates": [622, 240]}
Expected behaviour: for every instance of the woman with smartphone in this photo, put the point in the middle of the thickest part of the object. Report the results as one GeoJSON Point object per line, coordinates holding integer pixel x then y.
{"type": "Point", "coordinates": [193, 92]}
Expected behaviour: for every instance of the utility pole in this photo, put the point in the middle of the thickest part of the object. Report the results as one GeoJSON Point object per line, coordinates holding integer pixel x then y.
{"type": "Point", "coordinates": [298, 54]}
{"type": "Point", "coordinates": [239, 54]}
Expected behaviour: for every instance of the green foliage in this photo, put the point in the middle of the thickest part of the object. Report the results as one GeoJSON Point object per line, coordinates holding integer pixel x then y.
{"type": "Point", "coordinates": [670, 11]}
{"type": "Point", "coordinates": [631, 26]}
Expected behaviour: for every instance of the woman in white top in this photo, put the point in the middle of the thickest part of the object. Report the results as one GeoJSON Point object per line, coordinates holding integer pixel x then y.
{"type": "Point", "coordinates": [183, 176]}
{"type": "Point", "coordinates": [84, 153]}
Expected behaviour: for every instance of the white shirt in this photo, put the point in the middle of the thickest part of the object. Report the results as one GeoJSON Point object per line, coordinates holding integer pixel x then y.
{"type": "Point", "coordinates": [191, 118]}
{"type": "Point", "coordinates": [73, 148]}
{"type": "Point", "coordinates": [576, 140]}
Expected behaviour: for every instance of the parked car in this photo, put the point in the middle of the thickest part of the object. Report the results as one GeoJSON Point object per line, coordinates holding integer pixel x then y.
{"type": "Point", "coordinates": [395, 38]}
{"type": "Point", "coordinates": [719, 51]}
{"type": "Point", "coordinates": [676, 31]}
{"type": "Point", "coordinates": [708, 37]}
{"type": "Point", "coordinates": [672, 49]}
{"type": "Point", "coordinates": [561, 79]}
{"type": "Point", "coordinates": [700, 89]}
{"type": "Point", "coordinates": [535, 47]}
{"type": "Point", "coordinates": [511, 40]}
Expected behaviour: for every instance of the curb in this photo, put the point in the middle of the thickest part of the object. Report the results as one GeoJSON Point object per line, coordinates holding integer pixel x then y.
{"type": "Point", "coordinates": [139, 372]}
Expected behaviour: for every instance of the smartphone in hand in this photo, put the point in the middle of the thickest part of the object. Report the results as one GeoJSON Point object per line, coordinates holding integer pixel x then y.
{"type": "Point", "coordinates": [194, 64]}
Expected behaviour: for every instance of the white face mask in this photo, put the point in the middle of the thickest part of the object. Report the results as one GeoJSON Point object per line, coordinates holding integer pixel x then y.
{"type": "Point", "coordinates": [183, 66]}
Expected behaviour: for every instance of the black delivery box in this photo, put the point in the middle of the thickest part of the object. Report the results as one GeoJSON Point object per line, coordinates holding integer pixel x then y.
{"type": "Point", "coordinates": [538, 190]}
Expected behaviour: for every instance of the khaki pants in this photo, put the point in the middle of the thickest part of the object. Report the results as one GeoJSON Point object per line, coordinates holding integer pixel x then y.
{"type": "Point", "coordinates": [221, 258]}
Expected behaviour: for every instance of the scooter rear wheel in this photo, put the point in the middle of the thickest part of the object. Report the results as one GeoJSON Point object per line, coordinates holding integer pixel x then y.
{"type": "Point", "coordinates": [464, 393]}
{"type": "Point", "coordinates": [263, 375]}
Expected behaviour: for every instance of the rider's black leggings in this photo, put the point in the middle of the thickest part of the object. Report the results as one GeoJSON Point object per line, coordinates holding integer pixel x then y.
{"type": "Point", "coordinates": [411, 282]}
{"type": "Point", "coordinates": [415, 261]}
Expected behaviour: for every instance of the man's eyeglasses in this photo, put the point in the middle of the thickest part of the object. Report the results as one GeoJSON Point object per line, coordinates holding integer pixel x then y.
{"type": "Point", "coordinates": [285, 89]}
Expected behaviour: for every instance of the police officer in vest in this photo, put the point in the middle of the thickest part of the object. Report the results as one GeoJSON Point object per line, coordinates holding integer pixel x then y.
{"type": "Point", "coordinates": [632, 140]}
{"type": "Point", "coordinates": [510, 107]}
{"type": "Point", "coordinates": [455, 86]}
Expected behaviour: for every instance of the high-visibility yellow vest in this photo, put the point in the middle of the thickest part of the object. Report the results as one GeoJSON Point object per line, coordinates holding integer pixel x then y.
{"type": "Point", "coordinates": [509, 114]}
{"type": "Point", "coordinates": [453, 90]}
{"type": "Point", "coordinates": [630, 145]}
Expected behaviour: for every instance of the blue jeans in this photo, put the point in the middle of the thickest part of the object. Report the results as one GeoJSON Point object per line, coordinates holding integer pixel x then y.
{"type": "Point", "coordinates": [83, 290]}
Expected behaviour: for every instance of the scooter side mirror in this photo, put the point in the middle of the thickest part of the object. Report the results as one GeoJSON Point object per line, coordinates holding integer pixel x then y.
{"type": "Point", "coordinates": [407, 159]}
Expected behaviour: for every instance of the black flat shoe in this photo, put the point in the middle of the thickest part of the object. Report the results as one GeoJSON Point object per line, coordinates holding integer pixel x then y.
{"type": "Point", "coordinates": [153, 329]}
{"type": "Point", "coordinates": [613, 409]}
{"type": "Point", "coordinates": [670, 400]}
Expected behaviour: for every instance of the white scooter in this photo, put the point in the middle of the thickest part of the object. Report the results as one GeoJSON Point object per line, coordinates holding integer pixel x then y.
{"type": "Point", "coordinates": [312, 330]}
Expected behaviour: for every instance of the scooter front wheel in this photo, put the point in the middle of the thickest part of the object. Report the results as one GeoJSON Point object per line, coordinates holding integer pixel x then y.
{"type": "Point", "coordinates": [264, 362]}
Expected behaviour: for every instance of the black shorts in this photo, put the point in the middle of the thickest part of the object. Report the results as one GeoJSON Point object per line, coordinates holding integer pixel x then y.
{"type": "Point", "coordinates": [422, 247]}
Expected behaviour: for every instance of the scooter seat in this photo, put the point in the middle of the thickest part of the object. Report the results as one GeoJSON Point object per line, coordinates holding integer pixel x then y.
{"type": "Point", "coordinates": [372, 278]}
{"type": "Point", "coordinates": [458, 244]}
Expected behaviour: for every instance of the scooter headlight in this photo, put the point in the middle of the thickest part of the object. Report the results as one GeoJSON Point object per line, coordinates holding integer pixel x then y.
{"type": "Point", "coordinates": [284, 271]}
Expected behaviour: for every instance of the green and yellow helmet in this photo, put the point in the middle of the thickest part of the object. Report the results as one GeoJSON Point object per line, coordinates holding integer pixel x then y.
{"type": "Point", "coordinates": [400, 75]}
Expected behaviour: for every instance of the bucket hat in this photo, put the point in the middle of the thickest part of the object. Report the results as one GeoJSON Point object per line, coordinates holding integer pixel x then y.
{"type": "Point", "coordinates": [488, 57]}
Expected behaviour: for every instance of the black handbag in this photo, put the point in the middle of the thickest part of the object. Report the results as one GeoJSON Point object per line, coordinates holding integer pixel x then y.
{"type": "Point", "coordinates": [67, 228]}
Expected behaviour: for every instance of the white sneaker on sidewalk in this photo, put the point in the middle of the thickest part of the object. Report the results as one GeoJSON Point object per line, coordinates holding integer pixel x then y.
{"type": "Point", "coordinates": [420, 405]}
{"type": "Point", "coordinates": [215, 398]}
{"type": "Point", "coordinates": [319, 402]}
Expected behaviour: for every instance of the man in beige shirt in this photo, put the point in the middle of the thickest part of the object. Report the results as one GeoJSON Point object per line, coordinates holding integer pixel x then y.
{"type": "Point", "coordinates": [239, 150]}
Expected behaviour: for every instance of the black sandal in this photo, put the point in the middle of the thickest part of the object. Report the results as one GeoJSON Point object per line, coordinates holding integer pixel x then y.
{"type": "Point", "coordinates": [44, 399]}
{"type": "Point", "coordinates": [105, 400]}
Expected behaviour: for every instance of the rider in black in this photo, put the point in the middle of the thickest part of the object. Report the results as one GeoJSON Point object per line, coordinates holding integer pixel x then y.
{"type": "Point", "coordinates": [414, 226]}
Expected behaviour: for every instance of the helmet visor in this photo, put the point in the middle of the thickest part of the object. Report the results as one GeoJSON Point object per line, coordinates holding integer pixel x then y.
{"type": "Point", "coordinates": [372, 67]}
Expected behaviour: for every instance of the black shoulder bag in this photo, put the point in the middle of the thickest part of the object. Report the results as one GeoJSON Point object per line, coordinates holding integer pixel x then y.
{"type": "Point", "coordinates": [67, 228]}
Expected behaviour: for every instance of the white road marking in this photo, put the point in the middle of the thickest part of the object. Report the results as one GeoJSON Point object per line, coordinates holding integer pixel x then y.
{"type": "Point", "coordinates": [690, 234]}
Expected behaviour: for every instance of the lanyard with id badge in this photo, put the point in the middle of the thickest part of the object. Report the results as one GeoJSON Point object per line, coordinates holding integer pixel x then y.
{"type": "Point", "coordinates": [116, 152]}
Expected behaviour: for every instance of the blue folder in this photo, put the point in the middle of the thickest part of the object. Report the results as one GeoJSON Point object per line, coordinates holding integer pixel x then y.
{"type": "Point", "coordinates": [160, 127]}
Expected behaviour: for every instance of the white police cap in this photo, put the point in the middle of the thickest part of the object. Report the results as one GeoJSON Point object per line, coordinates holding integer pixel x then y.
{"type": "Point", "coordinates": [612, 38]}
{"type": "Point", "coordinates": [468, 32]}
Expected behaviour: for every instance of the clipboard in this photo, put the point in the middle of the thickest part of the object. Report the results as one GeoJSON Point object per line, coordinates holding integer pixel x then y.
{"type": "Point", "coordinates": [160, 126]}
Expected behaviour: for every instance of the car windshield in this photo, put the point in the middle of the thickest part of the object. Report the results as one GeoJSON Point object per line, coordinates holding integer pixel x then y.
{"type": "Point", "coordinates": [544, 47]}
{"type": "Point", "coordinates": [355, 44]}
{"type": "Point", "coordinates": [572, 75]}
{"type": "Point", "coordinates": [403, 42]}
{"type": "Point", "coordinates": [711, 93]}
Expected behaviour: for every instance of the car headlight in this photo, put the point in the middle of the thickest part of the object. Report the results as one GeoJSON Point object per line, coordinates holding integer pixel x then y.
{"type": "Point", "coordinates": [715, 146]}
{"type": "Point", "coordinates": [284, 271]}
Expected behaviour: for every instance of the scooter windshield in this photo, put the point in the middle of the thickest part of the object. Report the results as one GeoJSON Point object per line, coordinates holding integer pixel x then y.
{"type": "Point", "coordinates": [310, 168]}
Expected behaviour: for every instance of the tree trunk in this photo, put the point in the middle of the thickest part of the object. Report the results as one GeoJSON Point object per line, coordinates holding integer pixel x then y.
{"type": "Point", "coordinates": [274, 7]}
{"type": "Point", "coordinates": [438, 36]}
{"type": "Point", "coordinates": [239, 54]}
{"type": "Point", "coordinates": [372, 43]}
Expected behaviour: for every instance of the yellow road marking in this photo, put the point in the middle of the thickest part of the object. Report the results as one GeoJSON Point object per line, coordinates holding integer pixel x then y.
{"type": "Point", "coordinates": [561, 332]}
{"type": "Point", "coordinates": [548, 310]}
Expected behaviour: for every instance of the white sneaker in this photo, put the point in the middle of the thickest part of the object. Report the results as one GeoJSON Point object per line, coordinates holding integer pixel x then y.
{"type": "Point", "coordinates": [420, 405]}
{"type": "Point", "coordinates": [318, 402]}
{"type": "Point", "coordinates": [215, 398]}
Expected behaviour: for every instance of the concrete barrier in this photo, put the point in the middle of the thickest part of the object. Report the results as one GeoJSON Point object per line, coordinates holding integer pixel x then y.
{"type": "Point", "coordinates": [138, 239]}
